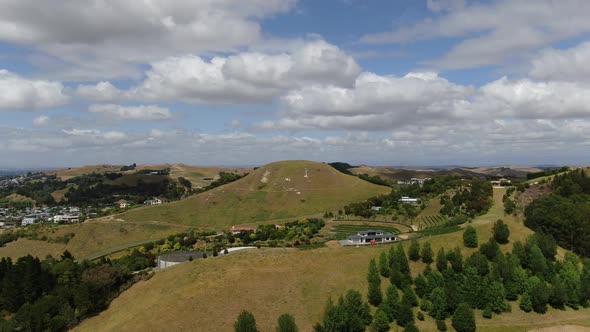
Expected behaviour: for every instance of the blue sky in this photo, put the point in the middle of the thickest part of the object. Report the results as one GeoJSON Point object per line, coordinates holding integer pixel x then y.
{"type": "Point", "coordinates": [246, 82]}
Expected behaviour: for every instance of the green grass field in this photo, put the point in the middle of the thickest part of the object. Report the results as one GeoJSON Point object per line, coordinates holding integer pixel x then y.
{"type": "Point", "coordinates": [211, 293]}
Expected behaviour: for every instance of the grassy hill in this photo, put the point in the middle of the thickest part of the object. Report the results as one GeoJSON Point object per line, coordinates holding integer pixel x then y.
{"type": "Point", "coordinates": [279, 190]}
{"type": "Point", "coordinates": [211, 293]}
{"type": "Point", "coordinates": [396, 174]}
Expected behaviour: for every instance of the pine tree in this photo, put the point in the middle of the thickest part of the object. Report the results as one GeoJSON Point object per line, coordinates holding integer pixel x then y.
{"type": "Point", "coordinates": [380, 322]}
{"type": "Point", "coordinates": [374, 293]}
{"type": "Point", "coordinates": [456, 259]}
{"type": "Point", "coordinates": [501, 232]}
{"type": "Point", "coordinates": [441, 260]}
{"type": "Point", "coordinates": [471, 287]}
{"type": "Point", "coordinates": [526, 303]}
{"type": "Point", "coordinates": [426, 253]}
{"type": "Point", "coordinates": [414, 250]}
{"type": "Point", "coordinates": [422, 288]}
{"type": "Point", "coordinates": [405, 315]}
{"type": "Point", "coordinates": [439, 304]}
{"type": "Point", "coordinates": [538, 264]}
{"type": "Point", "coordinates": [245, 322]}
{"type": "Point", "coordinates": [391, 302]}
{"type": "Point", "coordinates": [404, 266]}
{"type": "Point", "coordinates": [470, 237]}
{"type": "Point", "coordinates": [286, 323]}
{"type": "Point", "coordinates": [384, 265]}
{"type": "Point", "coordinates": [409, 296]}
{"type": "Point", "coordinates": [411, 327]}
{"type": "Point", "coordinates": [463, 319]}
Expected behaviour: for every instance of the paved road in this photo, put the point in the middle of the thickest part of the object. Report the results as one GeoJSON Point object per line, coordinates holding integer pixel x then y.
{"type": "Point", "coordinates": [115, 249]}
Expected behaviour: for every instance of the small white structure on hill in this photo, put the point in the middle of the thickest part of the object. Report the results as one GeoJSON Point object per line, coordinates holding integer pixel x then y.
{"type": "Point", "coordinates": [154, 201]}
{"type": "Point", "coordinates": [65, 218]}
{"type": "Point", "coordinates": [28, 221]}
{"type": "Point", "coordinates": [408, 200]}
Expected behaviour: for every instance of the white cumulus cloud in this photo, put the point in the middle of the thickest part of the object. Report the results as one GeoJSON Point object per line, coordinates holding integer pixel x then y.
{"type": "Point", "coordinates": [141, 112]}
{"type": "Point", "coordinates": [19, 93]}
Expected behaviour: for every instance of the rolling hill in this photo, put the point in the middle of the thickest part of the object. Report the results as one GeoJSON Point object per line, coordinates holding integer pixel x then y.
{"type": "Point", "coordinates": [269, 282]}
{"type": "Point", "coordinates": [280, 190]}
{"type": "Point", "coordinates": [396, 174]}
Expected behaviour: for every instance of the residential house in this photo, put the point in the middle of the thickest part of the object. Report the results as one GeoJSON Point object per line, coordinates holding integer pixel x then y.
{"type": "Point", "coordinates": [371, 236]}
{"type": "Point", "coordinates": [237, 230]}
{"type": "Point", "coordinates": [154, 201]}
{"type": "Point", "coordinates": [408, 200]}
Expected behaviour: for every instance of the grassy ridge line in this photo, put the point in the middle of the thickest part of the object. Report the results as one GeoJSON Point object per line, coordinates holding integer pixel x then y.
{"type": "Point", "coordinates": [115, 249]}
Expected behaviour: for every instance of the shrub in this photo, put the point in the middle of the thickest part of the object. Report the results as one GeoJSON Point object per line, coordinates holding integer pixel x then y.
{"type": "Point", "coordinates": [440, 325]}
{"type": "Point", "coordinates": [245, 322]}
{"type": "Point", "coordinates": [464, 319]}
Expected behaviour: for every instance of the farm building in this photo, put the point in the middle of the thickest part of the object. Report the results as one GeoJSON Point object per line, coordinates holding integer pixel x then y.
{"type": "Point", "coordinates": [237, 230]}
{"type": "Point", "coordinates": [175, 258]}
{"type": "Point", "coordinates": [371, 236]}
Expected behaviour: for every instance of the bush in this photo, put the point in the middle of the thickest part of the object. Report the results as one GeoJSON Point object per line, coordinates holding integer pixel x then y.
{"type": "Point", "coordinates": [245, 322]}
{"type": "Point", "coordinates": [470, 237]}
{"type": "Point", "coordinates": [286, 323]}
{"type": "Point", "coordinates": [464, 319]}
{"type": "Point", "coordinates": [411, 328]}
{"type": "Point", "coordinates": [487, 312]}
{"type": "Point", "coordinates": [440, 325]}
{"type": "Point", "coordinates": [420, 315]}
{"type": "Point", "coordinates": [501, 232]}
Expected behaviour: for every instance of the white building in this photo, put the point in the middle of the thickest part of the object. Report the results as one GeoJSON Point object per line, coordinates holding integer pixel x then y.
{"type": "Point", "coordinates": [408, 200]}
{"type": "Point", "coordinates": [154, 201]}
{"type": "Point", "coordinates": [64, 218]}
{"type": "Point", "coordinates": [28, 221]}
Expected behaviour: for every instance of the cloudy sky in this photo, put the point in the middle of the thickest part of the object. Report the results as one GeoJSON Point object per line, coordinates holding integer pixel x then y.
{"type": "Point", "coordinates": [246, 82]}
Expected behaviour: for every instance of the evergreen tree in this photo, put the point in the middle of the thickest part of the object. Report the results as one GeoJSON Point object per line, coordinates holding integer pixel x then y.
{"type": "Point", "coordinates": [526, 303]}
{"type": "Point", "coordinates": [384, 264]}
{"type": "Point", "coordinates": [471, 287]}
{"type": "Point", "coordinates": [374, 293]}
{"type": "Point", "coordinates": [501, 232]}
{"type": "Point", "coordinates": [441, 325]}
{"type": "Point", "coordinates": [411, 327]}
{"type": "Point", "coordinates": [380, 322]}
{"type": "Point", "coordinates": [585, 283]}
{"type": "Point", "coordinates": [537, 262]}
{"type": "Point", "coordinates": [426, 253]}
{"type": "Point", "coordinates": [441, 260]}
{"type": "Point", "coordinates": [245, 322]}
{"type": "Point", "coordinates": [405, 315]}
{"type": "Point", "coordinates": [409, 296]}
{"type": "Point", "coordinates": [490, 249]}
{"type": "Point", "coordinates": [540, 297]}
{"type": "Point", "coordinates": [422, 288]}
{"type": "Point", "coordinates": [519, 251]}
{"type": "Point", "coordinates": [439, 304]}
{"type": "Point", "coordinates": [286, 323]}
{"type": "Point", "coordinates": [493, 295]}
{"type": "Point", "coordinates": [414, 250]}
{"type": "Point", "coordinates": [404, 266]}
{"type": "Point", "coordinates": [456, 259]}
{"type": "Point", "coordinates": [470, 237]}
{"type": "Point", "coordinates": [558, 293]}
{"type": "Point", "coordinates": [463, 319]}
{"type": "Point", "coordinates": [391, 302]}
{"type": "Point", "coordinates": [570, 277]}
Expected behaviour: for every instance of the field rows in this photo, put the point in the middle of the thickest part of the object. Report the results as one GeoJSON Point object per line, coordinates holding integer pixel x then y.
{"type": "Point", "coordinates": [432, 221]}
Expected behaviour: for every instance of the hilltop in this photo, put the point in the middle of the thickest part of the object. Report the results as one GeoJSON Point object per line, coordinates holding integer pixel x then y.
{"type": "Point", "coordinates": [200, 176]}
{"type": "Point", "coordinates": [279, 190]}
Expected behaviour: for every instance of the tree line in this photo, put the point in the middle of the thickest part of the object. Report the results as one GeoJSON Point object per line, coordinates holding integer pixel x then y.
{"type": "Point", "coordinates": [565, 213]}
{"type": "Point", "coordinates": [452, 286]}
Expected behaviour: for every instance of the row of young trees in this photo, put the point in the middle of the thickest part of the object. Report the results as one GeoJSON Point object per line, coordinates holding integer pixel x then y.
{"type": "Point", "coordinates": [247, 323]}
{"type": "Point", "coordinates": [488, 279]}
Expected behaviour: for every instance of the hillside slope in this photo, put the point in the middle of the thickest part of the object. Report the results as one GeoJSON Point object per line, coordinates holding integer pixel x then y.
{"type": "Point", "coordinates": [210, 293]}
{"type": "Point", "coordinates": [279, 190]}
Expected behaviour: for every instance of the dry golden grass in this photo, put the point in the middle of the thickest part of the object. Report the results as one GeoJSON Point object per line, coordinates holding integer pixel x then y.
{"type": "Point", "coordinates": [272, 192]}
{"type": "Point", "coordinates": [208, 295]}
{"type": "Point", "coordinates": [90, 237]}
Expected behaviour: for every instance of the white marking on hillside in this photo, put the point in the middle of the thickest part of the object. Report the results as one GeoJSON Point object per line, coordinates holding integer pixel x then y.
{"type": "Point", "coordinates": [287, 179]}
{"type": "Point", "coordinates": [265, 177]}
{"type": "Point", "coordinates": [305, 176]}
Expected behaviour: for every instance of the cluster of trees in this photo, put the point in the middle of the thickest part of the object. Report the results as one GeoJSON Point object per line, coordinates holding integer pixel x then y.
{"type": "Point", "coordinates": [247, 323]}
{"type": "Point", "coordinates": [298, 231]}
{"type": "Point", "coordinates": [509, 205]}
{"type": "Point", "coordinates": [56, 293]}
{"type": "Point", "coordinates": [547, 172]}
{"type": "Point", "coordinates": [472, 199]}
{"type": "Point", "coordinates": [224, 178]}
{"type": "Point", "coordinates": [488, 280]}
{"type": "Point", "coordinates": [128, 168]}
{"type": "Point", "coordinates": [564, 214]}
{"type": "Point", "coordinates": [102, 189]}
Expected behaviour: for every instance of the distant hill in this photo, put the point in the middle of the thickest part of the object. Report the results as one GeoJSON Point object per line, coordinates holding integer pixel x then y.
{"type": "Point", "coordinates": [285, 189]}
{"type": "Point", "coordinates": [199, 176]}
{"type": "Point", "coordinates": [396, 174]}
